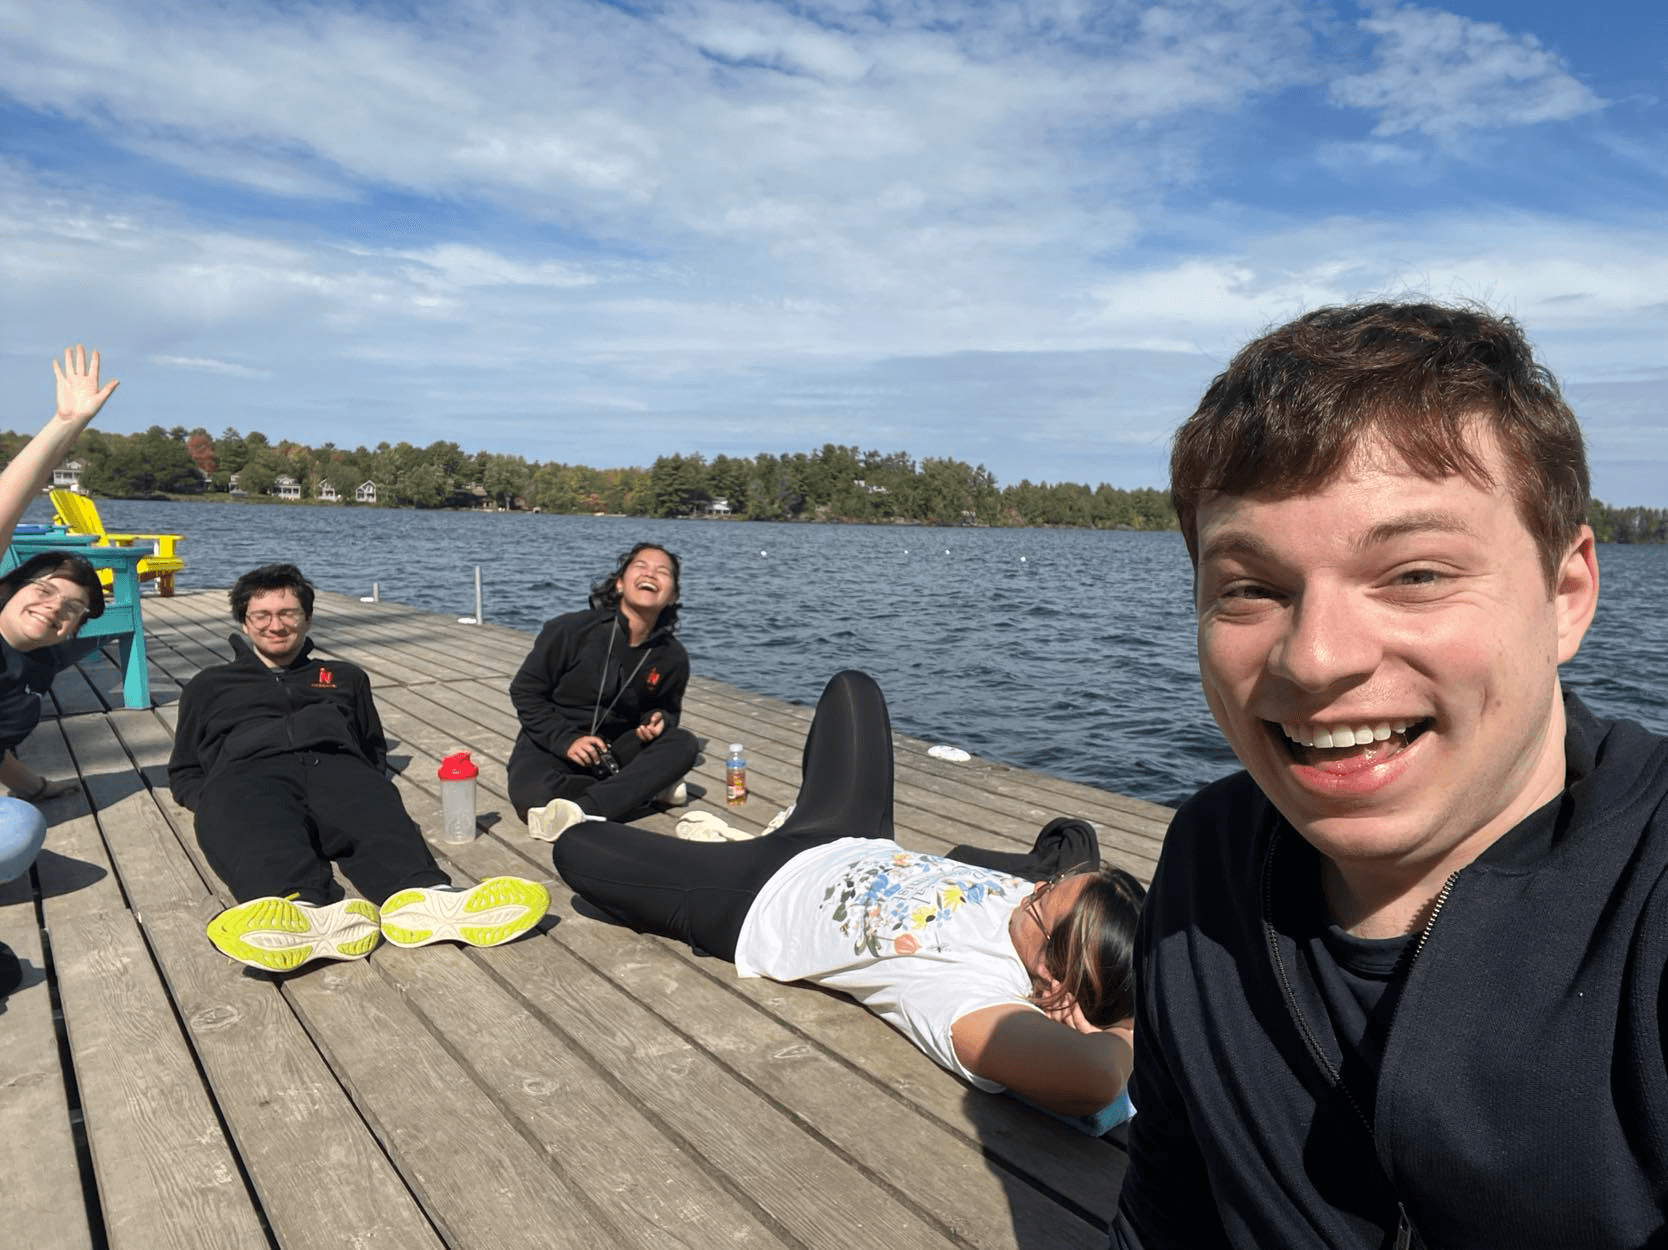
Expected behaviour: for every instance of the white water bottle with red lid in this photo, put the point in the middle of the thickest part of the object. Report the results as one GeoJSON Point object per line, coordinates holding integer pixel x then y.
{"type": "Point", "coordinates": [457, 798]}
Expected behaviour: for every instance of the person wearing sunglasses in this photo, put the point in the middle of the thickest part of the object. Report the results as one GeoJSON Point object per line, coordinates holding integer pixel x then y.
{"type": "Point", "coordinates": [1007, 983]}
{"type": "Point", "coordinates": [42, 603]}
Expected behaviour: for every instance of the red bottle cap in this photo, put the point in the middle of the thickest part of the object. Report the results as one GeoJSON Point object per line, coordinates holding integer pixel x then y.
{"type": "Point", "coordinates": [457, 767]}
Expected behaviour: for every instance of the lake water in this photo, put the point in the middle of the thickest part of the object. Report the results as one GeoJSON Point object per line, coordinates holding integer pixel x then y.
{"type": "Point", "coordinates": [1071, 651]}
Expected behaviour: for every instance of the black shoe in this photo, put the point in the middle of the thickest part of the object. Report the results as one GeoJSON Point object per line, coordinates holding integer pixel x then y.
{"type": "Point", "coordinates": [11, 971]}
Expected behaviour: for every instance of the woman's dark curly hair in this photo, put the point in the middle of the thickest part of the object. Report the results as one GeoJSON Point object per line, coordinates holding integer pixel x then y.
{"type": "Point", "coordinates": [606, 593]}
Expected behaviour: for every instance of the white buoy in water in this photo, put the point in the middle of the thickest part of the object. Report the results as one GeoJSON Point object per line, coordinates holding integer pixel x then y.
{"type": "Point", "coordinates": [1022, 559]}
{"type": "Point", "coordinates": [762, 552]}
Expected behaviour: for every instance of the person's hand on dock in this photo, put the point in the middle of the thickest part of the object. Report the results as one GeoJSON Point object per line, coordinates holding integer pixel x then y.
{"type": "Point", "coordinates": [79, 394]}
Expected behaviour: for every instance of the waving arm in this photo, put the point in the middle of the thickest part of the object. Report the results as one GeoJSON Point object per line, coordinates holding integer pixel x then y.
{"type": "Point", "coordinates": [79, 398]}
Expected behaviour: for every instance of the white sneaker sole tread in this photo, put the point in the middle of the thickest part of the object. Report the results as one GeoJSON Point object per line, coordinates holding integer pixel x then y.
{"type": "Point", "coordinates": [278, 934]}
{"type": "Point", "coordinates": [487, 914]}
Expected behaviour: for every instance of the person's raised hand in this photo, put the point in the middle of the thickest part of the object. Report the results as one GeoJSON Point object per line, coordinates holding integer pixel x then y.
{"type": "Point", "coordinates": [79, 394]}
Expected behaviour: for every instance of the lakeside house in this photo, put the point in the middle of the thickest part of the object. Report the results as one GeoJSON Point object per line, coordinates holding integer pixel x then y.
{"type": "Point", "coordinates": [67, 476]}
{"type": "Point", "coordinates": [286, 487]}
{"type": "Point", "coordinates": [365, 493]}
{"type": "Point", "coordinates": [326, 492]}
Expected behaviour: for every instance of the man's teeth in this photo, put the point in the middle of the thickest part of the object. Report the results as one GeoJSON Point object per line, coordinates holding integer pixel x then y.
{"type": "Point", "coordinates": [1342, 735]}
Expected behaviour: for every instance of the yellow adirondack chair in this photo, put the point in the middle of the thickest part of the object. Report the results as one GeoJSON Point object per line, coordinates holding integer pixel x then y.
{"type": "Point", "coordinates": [80, 515]}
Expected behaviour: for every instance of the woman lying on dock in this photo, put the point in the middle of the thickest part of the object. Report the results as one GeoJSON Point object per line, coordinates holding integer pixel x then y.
{"type": "Point", "coordinates": [1005, 983]}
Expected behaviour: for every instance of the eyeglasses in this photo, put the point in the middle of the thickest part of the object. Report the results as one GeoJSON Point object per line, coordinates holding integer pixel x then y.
{"type": "Point", "coordinates": [68, 610]}
{"type": "Point", "coordinates": [260, 620]}
{"type": "Point", "coordinates": [1035, 912]}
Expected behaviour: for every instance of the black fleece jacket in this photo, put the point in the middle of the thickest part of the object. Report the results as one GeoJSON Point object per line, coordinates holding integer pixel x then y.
{"type": "Point", "coordinates": [242, 711]}
{"type": "Point", "coordinates": [556, 691]}
{"type": "Point", "coordinates": [1522, 1099]}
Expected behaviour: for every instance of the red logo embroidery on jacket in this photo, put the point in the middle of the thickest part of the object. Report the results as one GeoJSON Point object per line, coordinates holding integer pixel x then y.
{"type": "Point", "coordinates": [325, 678]}
{"type": "Point", "coordinates": [653, 678]}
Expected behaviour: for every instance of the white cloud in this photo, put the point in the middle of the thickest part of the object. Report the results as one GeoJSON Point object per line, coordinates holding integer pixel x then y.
{"type": "Point", "coordinates": [228, 368]}
{"type": "Point", "coordinates": [457, 265]}
{"type": "Point", "coordinates": [1440, 74]}
{"type": "Point", "coordinates": [917, 224]}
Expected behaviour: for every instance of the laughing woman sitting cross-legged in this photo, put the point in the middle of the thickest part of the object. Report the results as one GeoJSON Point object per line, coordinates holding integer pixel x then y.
{"type": "Point", "coordinates": [598, 699]}
{"type": "Point", "coordinates": [1006, 983]}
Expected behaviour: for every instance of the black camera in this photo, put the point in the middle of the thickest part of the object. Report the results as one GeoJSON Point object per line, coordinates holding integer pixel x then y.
{"type": "Point", "coordinates": [607, 765]}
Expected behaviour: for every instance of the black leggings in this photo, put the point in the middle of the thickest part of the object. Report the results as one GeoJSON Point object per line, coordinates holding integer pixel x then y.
{"type": "Point", "coordinates": [701, 892]}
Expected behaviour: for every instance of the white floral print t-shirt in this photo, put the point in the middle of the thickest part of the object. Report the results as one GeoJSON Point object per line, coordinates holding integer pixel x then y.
{"type": "Point", "coordinates": [918, 939]}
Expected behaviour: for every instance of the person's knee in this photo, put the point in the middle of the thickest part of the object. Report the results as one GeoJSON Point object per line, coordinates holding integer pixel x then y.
{"type": "Point", "coordinates": [22, 833]}
{"type": "Point", "coordinates": [681, 745]}
{"type": "Point", "coordinates": [569, 853]}
{"type": "Point", "coordinates": [852, 679]}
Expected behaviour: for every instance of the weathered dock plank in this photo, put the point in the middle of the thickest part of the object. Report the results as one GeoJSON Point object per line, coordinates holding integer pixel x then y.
{"type": "Point", "coordinates": [37, 1145]}
{"type": "Point", "coordinates": [585, 1086]}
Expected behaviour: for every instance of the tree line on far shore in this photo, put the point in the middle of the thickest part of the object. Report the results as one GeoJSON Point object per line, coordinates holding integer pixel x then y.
{"type": "Point", "coordinates": [832, 483]}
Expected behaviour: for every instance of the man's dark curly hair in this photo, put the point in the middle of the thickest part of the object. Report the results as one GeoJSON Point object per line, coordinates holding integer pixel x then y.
{"type": "Point", "coordinates": [1293, 405]}
{"type": "Point", "coordinates": [270, 577]}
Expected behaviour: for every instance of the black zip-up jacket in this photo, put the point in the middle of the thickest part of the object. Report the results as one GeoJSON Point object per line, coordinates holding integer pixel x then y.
{"type": "Point", "coordinates": [25, 679]}
{"type": "Point", "coordinates": [1522, 1100]}
{"type": "Point", "coordinates": [556, 691]}
{"type": "Point", "coordinates": [243, 711]}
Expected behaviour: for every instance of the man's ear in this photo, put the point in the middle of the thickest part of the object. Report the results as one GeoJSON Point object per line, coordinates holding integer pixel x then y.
{"type": "Point", "coordinates": [1575, 593]}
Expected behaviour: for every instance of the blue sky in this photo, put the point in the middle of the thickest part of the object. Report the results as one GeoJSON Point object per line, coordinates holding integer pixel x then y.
{"type": "Point", "coordinates": [1022, 234]}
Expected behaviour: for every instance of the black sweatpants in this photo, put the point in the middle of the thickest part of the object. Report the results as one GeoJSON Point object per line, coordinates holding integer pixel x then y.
{"type": "Point", "coordinates": [700, 892]}
{"type": "Point", "coordinates": [646, 769]}
{"type": "Point", "coordinates": [271, 827]}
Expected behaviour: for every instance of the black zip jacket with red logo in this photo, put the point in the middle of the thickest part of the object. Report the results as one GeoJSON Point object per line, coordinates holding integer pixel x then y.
{"type": "Point", "coordinates": [1522, 1098]}
{"type": "Point", "coordinates": [243, 711]}
{"type": "Point", "coordinates": [573, 674]}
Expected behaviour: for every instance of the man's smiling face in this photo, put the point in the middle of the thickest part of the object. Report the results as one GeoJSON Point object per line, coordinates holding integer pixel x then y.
{"type": "Point", "coordinates": [1382, 655]}
{"type": "Point", "coordinates": [276, 626]}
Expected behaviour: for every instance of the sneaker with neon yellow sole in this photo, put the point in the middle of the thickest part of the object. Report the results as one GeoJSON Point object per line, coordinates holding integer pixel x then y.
{"type": "Point", "coordinates": [487, 914]}
{"type": "Point", "coordinates": [279, 934]}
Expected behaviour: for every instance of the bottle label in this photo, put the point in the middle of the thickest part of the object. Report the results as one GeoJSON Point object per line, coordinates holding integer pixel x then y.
{"type": "Point", "coordinates": [735, 785]}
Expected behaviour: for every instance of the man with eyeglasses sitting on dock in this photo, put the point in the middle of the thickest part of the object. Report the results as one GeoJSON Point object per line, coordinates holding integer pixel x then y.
{"type": "Point", "coordinates": [1402, 981]}
{"type": "Point", "coordinates": [281, 756]}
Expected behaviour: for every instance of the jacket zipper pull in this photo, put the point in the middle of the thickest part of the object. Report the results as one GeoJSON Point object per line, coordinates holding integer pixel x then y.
{"type": "Point", "coordinates": [1404, 1229]}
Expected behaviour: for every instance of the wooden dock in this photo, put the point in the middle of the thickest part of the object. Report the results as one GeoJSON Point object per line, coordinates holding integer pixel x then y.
{"type": "Point", "coordinates": [584, 1086]}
